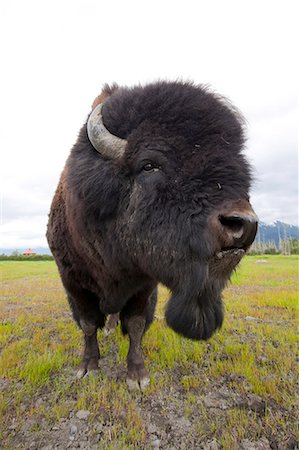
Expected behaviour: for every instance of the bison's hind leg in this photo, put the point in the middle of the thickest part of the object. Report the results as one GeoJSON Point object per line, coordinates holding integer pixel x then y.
{"type": "Point", "coordinates": [111, 323]}
{"type": "Point", "coordinates": [86, 312]}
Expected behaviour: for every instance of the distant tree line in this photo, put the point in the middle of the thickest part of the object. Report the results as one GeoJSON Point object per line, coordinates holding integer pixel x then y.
{"type": "Point", "coordinates": [278, 238]}
{"type": "Point", "coordinates": [15, 256]}
{"type": "Point", "coordinates": [285, 247]}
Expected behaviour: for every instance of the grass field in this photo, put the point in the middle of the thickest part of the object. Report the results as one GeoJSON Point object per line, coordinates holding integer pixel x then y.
{"type": "Point", "coordinates": [239, 388]}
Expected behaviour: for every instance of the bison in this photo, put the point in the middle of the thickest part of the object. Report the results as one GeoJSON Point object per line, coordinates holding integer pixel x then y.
{"type": "Point", "coordinates": [156, 189]}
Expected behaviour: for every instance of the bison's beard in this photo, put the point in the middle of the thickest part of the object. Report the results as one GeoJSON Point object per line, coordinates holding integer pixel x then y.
{"type": "Point", "coordinates": [195, 309]}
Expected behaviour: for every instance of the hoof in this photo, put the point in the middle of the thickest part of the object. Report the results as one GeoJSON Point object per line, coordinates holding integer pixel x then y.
{"type": "Point", "coordinates": [133, 385]}
{"type": "Point", "coordinates": [81, 373]}
{"type": "Point", "coordinates": [92, 373]}
{"type": "Point", "coordinates": [89, 367]}
{"type": "Point", "coordinates": [137, 385]}
{"type": "Point", "coordinates": [144, 383]}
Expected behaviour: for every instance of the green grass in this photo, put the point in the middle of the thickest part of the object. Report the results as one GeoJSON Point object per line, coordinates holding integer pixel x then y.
{"type": "Point", "coordinates": [14, 270]}
{"type": "Point", "coordinates": [254, 353]}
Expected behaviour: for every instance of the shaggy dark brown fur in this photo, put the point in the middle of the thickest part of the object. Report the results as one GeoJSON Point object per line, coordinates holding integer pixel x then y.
{"type": "Point", "coordinates": [174, 209]}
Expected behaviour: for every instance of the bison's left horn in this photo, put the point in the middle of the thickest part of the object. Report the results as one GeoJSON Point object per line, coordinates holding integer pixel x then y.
{"type": "Point", "coordinates": [104, 142]}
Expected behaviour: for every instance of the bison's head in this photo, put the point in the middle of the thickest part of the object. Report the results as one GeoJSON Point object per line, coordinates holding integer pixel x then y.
{"type": "Point", "coordinates": [169, 180]}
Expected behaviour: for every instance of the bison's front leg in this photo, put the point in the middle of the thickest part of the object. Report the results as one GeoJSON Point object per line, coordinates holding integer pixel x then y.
{"type": "Point", "coordinates": [134, 320]}
{"type": "Point", "coordinates": [86, 312]}
{"type": "Point", "coordinates": [137, 373]}
{"type": "Point", "coordinates": [91, 352]}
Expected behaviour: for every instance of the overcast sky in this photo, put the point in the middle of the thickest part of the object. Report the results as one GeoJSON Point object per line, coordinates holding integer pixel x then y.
{"type": "Point", "coordinates": [56, 55]}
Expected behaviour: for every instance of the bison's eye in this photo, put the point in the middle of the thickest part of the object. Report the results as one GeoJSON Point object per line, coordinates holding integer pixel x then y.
{"type": "Point", "coordinates": [150, 167]}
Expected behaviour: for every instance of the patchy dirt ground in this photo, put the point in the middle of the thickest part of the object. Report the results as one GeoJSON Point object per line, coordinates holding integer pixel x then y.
{"type": "Point", "coordinates": [173, 419]}
{"type": "Point", "coordinates": [237, 391]}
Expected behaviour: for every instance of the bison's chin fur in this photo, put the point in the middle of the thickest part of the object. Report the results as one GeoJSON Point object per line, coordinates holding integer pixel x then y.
{"type": "Point", "coordinates": [195, 317]}
{"type": "Point", "coordinates": [195, 309]}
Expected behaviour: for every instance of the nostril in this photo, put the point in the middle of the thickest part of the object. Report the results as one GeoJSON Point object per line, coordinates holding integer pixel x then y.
{"type": "Point", "coordinates": [240, 231]}
{"type": "Point", "coordinates": [234, 225]}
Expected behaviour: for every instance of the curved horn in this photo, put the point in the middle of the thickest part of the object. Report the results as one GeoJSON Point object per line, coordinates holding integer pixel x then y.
{"type": "Point", "coordinates": [102, 140]}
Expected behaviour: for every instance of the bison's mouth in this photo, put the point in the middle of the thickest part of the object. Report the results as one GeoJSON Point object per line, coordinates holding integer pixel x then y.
{"type": "Point", "coordinates": [223, 262]}
{"type": "Point", "coordinates": [231, 252]}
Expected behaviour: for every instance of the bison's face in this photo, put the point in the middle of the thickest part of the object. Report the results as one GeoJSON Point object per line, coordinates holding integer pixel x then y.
{"type": "Point", "coordinates": [184, 216]}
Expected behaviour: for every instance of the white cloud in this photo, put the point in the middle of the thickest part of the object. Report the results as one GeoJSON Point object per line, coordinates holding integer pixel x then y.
{"type": "Point", "coordinates": [57, 55]}
{"type": "Point", "coordinates": [24, 232]}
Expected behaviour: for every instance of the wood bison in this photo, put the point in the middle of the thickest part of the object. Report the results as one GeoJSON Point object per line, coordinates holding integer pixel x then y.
{"type": "Point", "coordinates": [155, 190]}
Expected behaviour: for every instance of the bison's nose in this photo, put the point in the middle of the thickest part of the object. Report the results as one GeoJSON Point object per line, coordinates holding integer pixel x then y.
{"type": "Point", "coordinates": [239, 228]}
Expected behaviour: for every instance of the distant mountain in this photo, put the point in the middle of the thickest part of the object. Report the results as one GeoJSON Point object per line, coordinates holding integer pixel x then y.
{"type": "Point", "coordinates": [38, 250]}
{"type": "Point", "coordinates": [276, 232]}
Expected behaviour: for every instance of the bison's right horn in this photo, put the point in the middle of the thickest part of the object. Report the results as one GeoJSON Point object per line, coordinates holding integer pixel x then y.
{"type": "Point", "coordinates": [102, 140]}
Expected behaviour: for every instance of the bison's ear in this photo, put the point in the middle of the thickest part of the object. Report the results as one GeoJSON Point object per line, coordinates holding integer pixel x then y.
{"type": "Point", "coordinates": [107, 91]}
